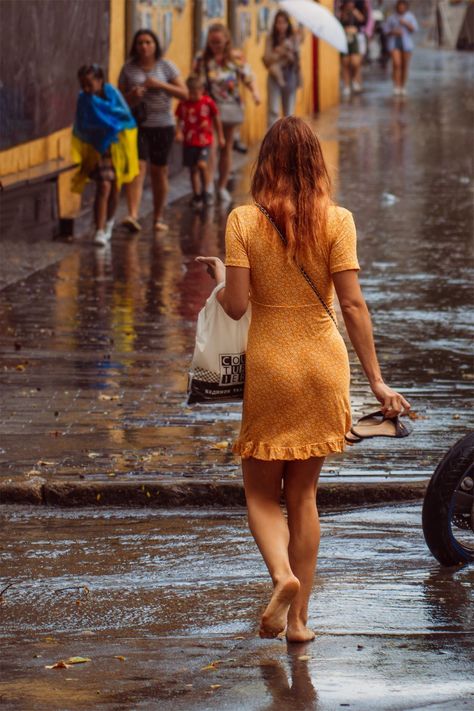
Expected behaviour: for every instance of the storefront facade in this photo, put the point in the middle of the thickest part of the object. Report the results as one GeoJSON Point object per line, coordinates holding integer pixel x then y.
{"type": "Point", "coordinates": [181, 26]}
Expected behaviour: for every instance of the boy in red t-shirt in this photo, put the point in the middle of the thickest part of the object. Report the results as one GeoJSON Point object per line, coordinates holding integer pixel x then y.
{"type": "Point", "coordinates": [196, 118]}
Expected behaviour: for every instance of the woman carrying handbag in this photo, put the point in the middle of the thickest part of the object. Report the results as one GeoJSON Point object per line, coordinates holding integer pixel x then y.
{"type": "Point", "coordinates": [287, 253]}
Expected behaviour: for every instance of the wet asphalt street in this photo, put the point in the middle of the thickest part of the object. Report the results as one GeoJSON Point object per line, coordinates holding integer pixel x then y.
{"type": "Point", "coordinates": [96, 347]}
{"type": "Point", "coordinates": [178, 594]}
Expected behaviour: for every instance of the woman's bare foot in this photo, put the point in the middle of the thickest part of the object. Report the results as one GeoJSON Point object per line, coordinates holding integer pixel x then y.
{"type": "Point", "coordinates": [299, 633]}
{"type": "Point", "coordinates": [274, 618]}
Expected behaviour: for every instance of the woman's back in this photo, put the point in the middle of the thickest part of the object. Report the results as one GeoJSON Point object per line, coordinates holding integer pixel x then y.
{"type": "Point", "coordinates": [251, 241]}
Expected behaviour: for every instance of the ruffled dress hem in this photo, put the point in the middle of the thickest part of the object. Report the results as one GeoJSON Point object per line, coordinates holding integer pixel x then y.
{"type": "Point", "coordinates": [267, 452]}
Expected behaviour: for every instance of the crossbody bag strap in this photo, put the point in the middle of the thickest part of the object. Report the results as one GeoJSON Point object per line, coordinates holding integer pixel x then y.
{"type": "Point", "coordinates": [302, 269]}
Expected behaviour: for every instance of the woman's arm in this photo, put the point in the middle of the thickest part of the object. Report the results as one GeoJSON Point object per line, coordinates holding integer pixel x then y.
{"type": "Point", "coordinates": [175, 87]}
{"type": "Point", "coordinates": [359, 327]}
{"type": "Point", "coordinates": [234, 297]}
{"type": "Point", "coordinates": [134, 95]}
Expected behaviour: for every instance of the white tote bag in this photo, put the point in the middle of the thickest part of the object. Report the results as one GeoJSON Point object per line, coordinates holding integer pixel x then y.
{"type": "Point", "coordinates": [217, 371]}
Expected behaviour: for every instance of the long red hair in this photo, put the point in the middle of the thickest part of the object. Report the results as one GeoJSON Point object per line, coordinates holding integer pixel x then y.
{"type": "Point", "coordinates": [291, 181]}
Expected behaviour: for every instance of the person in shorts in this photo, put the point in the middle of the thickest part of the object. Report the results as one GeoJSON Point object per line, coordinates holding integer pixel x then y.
{"type": "Point", "coordinates": [197, 117]}
{"type": "Point", "coordinates": [149, 82]}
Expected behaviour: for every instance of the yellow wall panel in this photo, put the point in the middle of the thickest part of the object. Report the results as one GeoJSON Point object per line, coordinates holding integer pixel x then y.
{"type": "Point", "coordinates": [329, 67]}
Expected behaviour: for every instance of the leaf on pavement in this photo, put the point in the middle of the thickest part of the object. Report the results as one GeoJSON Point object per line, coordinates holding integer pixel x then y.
{"type": "Point", "coordinates": [78, 660]}
{"type": "Point", "coordinates": [120, 657]}
{"type": "Point", "coordinates": [220, 445]}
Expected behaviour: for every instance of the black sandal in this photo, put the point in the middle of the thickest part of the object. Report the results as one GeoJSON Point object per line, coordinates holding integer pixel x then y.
{"type": "Point", "coordinates": [377, 425]}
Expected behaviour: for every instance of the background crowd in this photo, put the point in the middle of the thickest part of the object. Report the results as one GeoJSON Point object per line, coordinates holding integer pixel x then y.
{"type": "Point", "coordinates": [210, 108]}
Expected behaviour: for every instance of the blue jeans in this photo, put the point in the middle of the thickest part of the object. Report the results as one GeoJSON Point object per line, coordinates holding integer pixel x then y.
{"type": "Point", "coordinates": [279, 98]}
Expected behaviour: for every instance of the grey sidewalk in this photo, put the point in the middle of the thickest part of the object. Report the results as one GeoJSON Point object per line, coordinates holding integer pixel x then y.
{"type": "Point", "coordinates": [176, 597]}
{"type": "Point", "coordinates": [95, 347]}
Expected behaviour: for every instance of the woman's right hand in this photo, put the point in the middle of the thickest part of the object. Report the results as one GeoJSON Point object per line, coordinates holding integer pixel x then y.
{"type": "Point", "coordinates": [392, 403]}
{"type": "Point", "coordinates": [215, 267]}
{"type": "Point", "coordinates": [138, 91]}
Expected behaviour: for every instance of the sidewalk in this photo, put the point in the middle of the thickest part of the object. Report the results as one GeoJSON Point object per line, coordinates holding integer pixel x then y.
{"type": "Point", "coordinates": [166, 606]}
{"type": "Point", "coordinates": [96, 346]}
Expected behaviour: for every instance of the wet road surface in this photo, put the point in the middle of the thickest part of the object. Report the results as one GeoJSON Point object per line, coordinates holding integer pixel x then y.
{"type": "Point", "coordinates": [176, 592]}
{"type": "Point", "coordinates": [95, 348]}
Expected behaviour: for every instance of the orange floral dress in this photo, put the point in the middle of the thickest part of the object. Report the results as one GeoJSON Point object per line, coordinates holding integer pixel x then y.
{"type": "Point", "coordinates": [296, 398]}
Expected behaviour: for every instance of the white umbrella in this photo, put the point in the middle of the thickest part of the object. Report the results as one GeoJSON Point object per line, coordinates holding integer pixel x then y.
{"type": "Point", "coordinates": [318, 20]}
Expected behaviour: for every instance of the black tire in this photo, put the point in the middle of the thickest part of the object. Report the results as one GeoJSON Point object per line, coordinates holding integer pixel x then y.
{"type": "Point", "coordinates": [438, 504]}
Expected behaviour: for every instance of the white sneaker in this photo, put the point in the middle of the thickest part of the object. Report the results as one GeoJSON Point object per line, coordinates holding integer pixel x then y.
{"type": "Point", "coordinates": [397, 91]}
{"type": "Point", "coordinates": [356, 87]}
{"type": "Point", "coordinates": [224, 195]}
{"type": "Point", "coordinates": [403, 91]}
{"type": "Point", "coordinates": [109, 226]}
{"type": "Point", "coordinates": [346, 92]}
{"type": "Point", "coordinates": [101, 238]}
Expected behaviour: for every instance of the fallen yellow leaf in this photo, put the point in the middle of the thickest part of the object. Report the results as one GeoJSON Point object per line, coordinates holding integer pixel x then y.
{"type": "Point", "coordinates": [215, 686]}
{"type": "Point", "coordinates": [78, 660]}
{"type": "Point", "coordinates": [210, 667]}
{"type": "Point", "coordinates": [119, 656]}
{"type": "Point", "coordinates": [220, 445]}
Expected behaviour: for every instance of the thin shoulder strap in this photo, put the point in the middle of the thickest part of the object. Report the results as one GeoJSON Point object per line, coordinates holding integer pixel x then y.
{"type": "Point", "coordinates": [301, 268]}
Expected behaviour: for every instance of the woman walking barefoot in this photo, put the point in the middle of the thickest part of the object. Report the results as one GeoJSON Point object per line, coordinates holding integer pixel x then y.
{"type": "Point", "coordinates": [296, 403]}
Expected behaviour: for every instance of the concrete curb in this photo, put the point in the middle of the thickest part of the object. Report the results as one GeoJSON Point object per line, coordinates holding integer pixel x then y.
{"type": "Point", "coordinates": [194, 493]}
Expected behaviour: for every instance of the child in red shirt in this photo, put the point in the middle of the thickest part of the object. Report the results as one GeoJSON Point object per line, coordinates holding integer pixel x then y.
{"type": "Point", "coordinates": [196, 118]}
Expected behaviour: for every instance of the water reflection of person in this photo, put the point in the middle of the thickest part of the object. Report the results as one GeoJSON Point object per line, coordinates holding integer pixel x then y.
{"type": "Point", "coordinates": [299, 694]}
{"type": "Point", "coordinates": [296, 402]}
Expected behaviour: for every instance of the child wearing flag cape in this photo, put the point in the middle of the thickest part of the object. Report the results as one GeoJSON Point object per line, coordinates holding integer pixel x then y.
{"type": "Point", "coordinates": [104, 144]}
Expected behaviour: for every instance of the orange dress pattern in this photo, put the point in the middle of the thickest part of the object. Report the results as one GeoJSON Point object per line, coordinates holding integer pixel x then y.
{"type": "Point", "coordinates": [296, 399]}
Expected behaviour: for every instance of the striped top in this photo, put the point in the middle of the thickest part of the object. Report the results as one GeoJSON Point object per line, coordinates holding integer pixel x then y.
{"type": "Point", "coordinates": [157, 101]}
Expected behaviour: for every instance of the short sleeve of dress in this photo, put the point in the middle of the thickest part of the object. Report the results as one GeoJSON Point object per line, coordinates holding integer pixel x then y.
{"type": "Point", "coordinates": [171, 70]}
{"type": "Point", "coordinates": [235, 243]}
{"type": "Point", "coordinates": [343, 251]}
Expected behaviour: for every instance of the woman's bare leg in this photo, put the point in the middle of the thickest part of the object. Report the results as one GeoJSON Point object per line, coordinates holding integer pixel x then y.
{"type": "Point", "coordinates": [101, 201]}
{"type": "Point", "coordinates": [225, 156]}
{"type": "Point", "coordinates": [159, 186]}
{"type": "Point", "coordinates": [300, 482]}
{"type": "Point", "coordinates": [356, 68]}
{"type": "Point", "coordinates": [397, 68]}
{"type": "Point", "coordinates": [346, 71]}
{"type": "Point", "coordinates": [113, 201]}
{"type": "Point", "coordinates": [406, 56]}
{"type": "Point", "coordinates": [134, 190]}
{"type": "Point", "coordinates": [262, 481]}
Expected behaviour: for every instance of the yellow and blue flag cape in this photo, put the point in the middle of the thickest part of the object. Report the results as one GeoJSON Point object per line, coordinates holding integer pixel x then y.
{"type": "Point", "coordinates": [100, 124]}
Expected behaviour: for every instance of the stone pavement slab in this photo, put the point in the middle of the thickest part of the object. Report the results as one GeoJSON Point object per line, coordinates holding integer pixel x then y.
{"type": "Point", "coordinates": [178, 596]}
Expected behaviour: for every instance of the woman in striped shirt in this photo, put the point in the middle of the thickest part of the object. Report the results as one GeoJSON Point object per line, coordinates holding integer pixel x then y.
{"type": "Point", "coordinates": [149, 82]}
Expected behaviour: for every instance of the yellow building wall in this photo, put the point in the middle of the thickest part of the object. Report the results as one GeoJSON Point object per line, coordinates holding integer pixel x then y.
{"type": "Point", "coordinates": [329, 69]}
{"type": "Point", "coordinates": [57, 145]}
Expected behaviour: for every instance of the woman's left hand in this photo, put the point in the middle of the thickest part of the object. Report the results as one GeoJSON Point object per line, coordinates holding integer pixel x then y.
{"type": "Point", "coordinates": [256, 98]}
{"type": "Point", "coordinates": [215, 267]}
